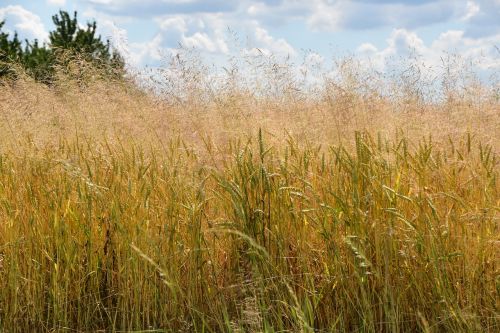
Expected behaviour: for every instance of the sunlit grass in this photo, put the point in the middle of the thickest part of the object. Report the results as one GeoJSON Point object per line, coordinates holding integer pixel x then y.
{"type": "Point", "coordinates": [121, 213]}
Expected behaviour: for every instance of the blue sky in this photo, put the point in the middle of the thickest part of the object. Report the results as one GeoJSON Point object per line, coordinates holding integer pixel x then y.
{"type": "Point", "coordinates": [146, 30]}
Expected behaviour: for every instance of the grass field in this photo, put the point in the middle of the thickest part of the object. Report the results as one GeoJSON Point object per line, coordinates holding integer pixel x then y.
{"type": "Point", "coordinates": [343, 211]}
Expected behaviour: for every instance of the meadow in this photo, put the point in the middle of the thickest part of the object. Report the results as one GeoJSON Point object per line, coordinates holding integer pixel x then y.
{"type": "Point", "coordinates": [205, 205]}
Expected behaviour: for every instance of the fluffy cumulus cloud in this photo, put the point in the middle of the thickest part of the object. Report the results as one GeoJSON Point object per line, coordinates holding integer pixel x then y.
{"type": "Point", "coordinates": [481, 53]}
{"type": "Point", "coordinates": [206, 32]}
{"type": "Point", "coordinates": [204, 25]}
{"type": "Point", "coordinates": [26, 23]}
{"type": "Point", "coordinates": [270, 45]}
{"type": "Point", "coordinates": [209, 33]}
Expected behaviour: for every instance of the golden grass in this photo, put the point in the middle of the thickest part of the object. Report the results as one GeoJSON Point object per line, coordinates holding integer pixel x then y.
{"type": "Point", "coordinates": [345, 212]}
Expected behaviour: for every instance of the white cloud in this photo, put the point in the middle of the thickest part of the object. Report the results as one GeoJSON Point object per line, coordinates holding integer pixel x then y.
{"type": "Point", "coordinates": [174, 23]}
{"type": "Point", "coordinates": [101, 2]}
{"type": "Point", "coordinates": [56, 2]}
{"type": "Point", "coordinates": [449, 40]}
{"type": "Point", "coordinates": [366, 48]}
{"type": "Point", "coordinates": [26, 23]}
{"type": "Point", "coordinates": [403, 41]}
{"type": "Point", "coordinates": [268, 44]}
{"type": "Point", "coordinates": [199, 40]}
{"type": "Point", "coordinates": [471, 10]}
{"type": "Point", "coordinates": [204, 32]}
{"type": "Point", "coordinates": [480, 53]}
{"type": "Point", "coordinates": [325, 16]}
{"type": "Point", "coordinates": [203, 25]}
{"type": "Point", "coordinates": [314, 59]}
{"type": "Point", "coordinates": [482, 18]}
{"type": "Point", "coordinates": [151, 50]}
{"type": "Point", "coordinates": [400, 44]}
{"type": "Point", "coordinates": [208, 33]}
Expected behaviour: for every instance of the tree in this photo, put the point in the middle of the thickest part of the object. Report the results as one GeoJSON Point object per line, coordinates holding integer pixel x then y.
{"type": "Point", "coordinates": [10, 51]}
{"type": "Point", "coordinates": [66, 42]}
{"type": "Point", "coordinates": [38, 62]}
{"type": "Point", "coordinates": [68, 36]}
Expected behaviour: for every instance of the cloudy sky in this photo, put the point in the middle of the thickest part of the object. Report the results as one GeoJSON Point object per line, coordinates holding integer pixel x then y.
{"type": "Point", "coordinates": [144, 30]}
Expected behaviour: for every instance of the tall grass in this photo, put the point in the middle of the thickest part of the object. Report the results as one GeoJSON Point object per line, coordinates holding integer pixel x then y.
{"type": "Point", "coordinates": [246, 212]}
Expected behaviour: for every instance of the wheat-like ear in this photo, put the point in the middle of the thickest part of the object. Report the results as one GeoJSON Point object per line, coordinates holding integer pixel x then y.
{"type": "Point", "coordinates": [258, 198]}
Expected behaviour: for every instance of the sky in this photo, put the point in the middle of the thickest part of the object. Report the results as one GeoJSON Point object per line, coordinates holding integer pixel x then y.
{"type": "Point", "coordinates": [144, 31]}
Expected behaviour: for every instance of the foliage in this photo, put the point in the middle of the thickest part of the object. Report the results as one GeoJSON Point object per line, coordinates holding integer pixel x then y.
{"type": "Point", "coordinates": [66, 42]}
{"type": "Point", "coordinates": [38, 61]}
{"type": "Point", "coordinates": [10, 50]}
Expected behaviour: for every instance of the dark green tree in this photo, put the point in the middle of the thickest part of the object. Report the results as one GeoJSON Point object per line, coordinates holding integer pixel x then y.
{"type": "Point", "coordinates": [67, 42]}
{"type": "Point", "coordinates": [38, 62]}
{"type": "Point", "coordinates": [10, 51]}
{"type": "Point", "coordinates": [68, 36]}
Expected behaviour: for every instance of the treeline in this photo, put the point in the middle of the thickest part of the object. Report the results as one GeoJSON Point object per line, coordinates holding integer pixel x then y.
{"type": "Point", "coordinates": [67, 42]}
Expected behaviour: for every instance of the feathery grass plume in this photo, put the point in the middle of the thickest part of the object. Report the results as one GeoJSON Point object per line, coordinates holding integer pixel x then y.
{"type": "Point", "coordinates": [248, 205]}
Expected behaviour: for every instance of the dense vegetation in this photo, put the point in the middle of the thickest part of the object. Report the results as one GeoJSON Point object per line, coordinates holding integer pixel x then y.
{"type": "Point", "coordinates": [66, 41]}
{"type": "Point", "coordinates": [213, 206]}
